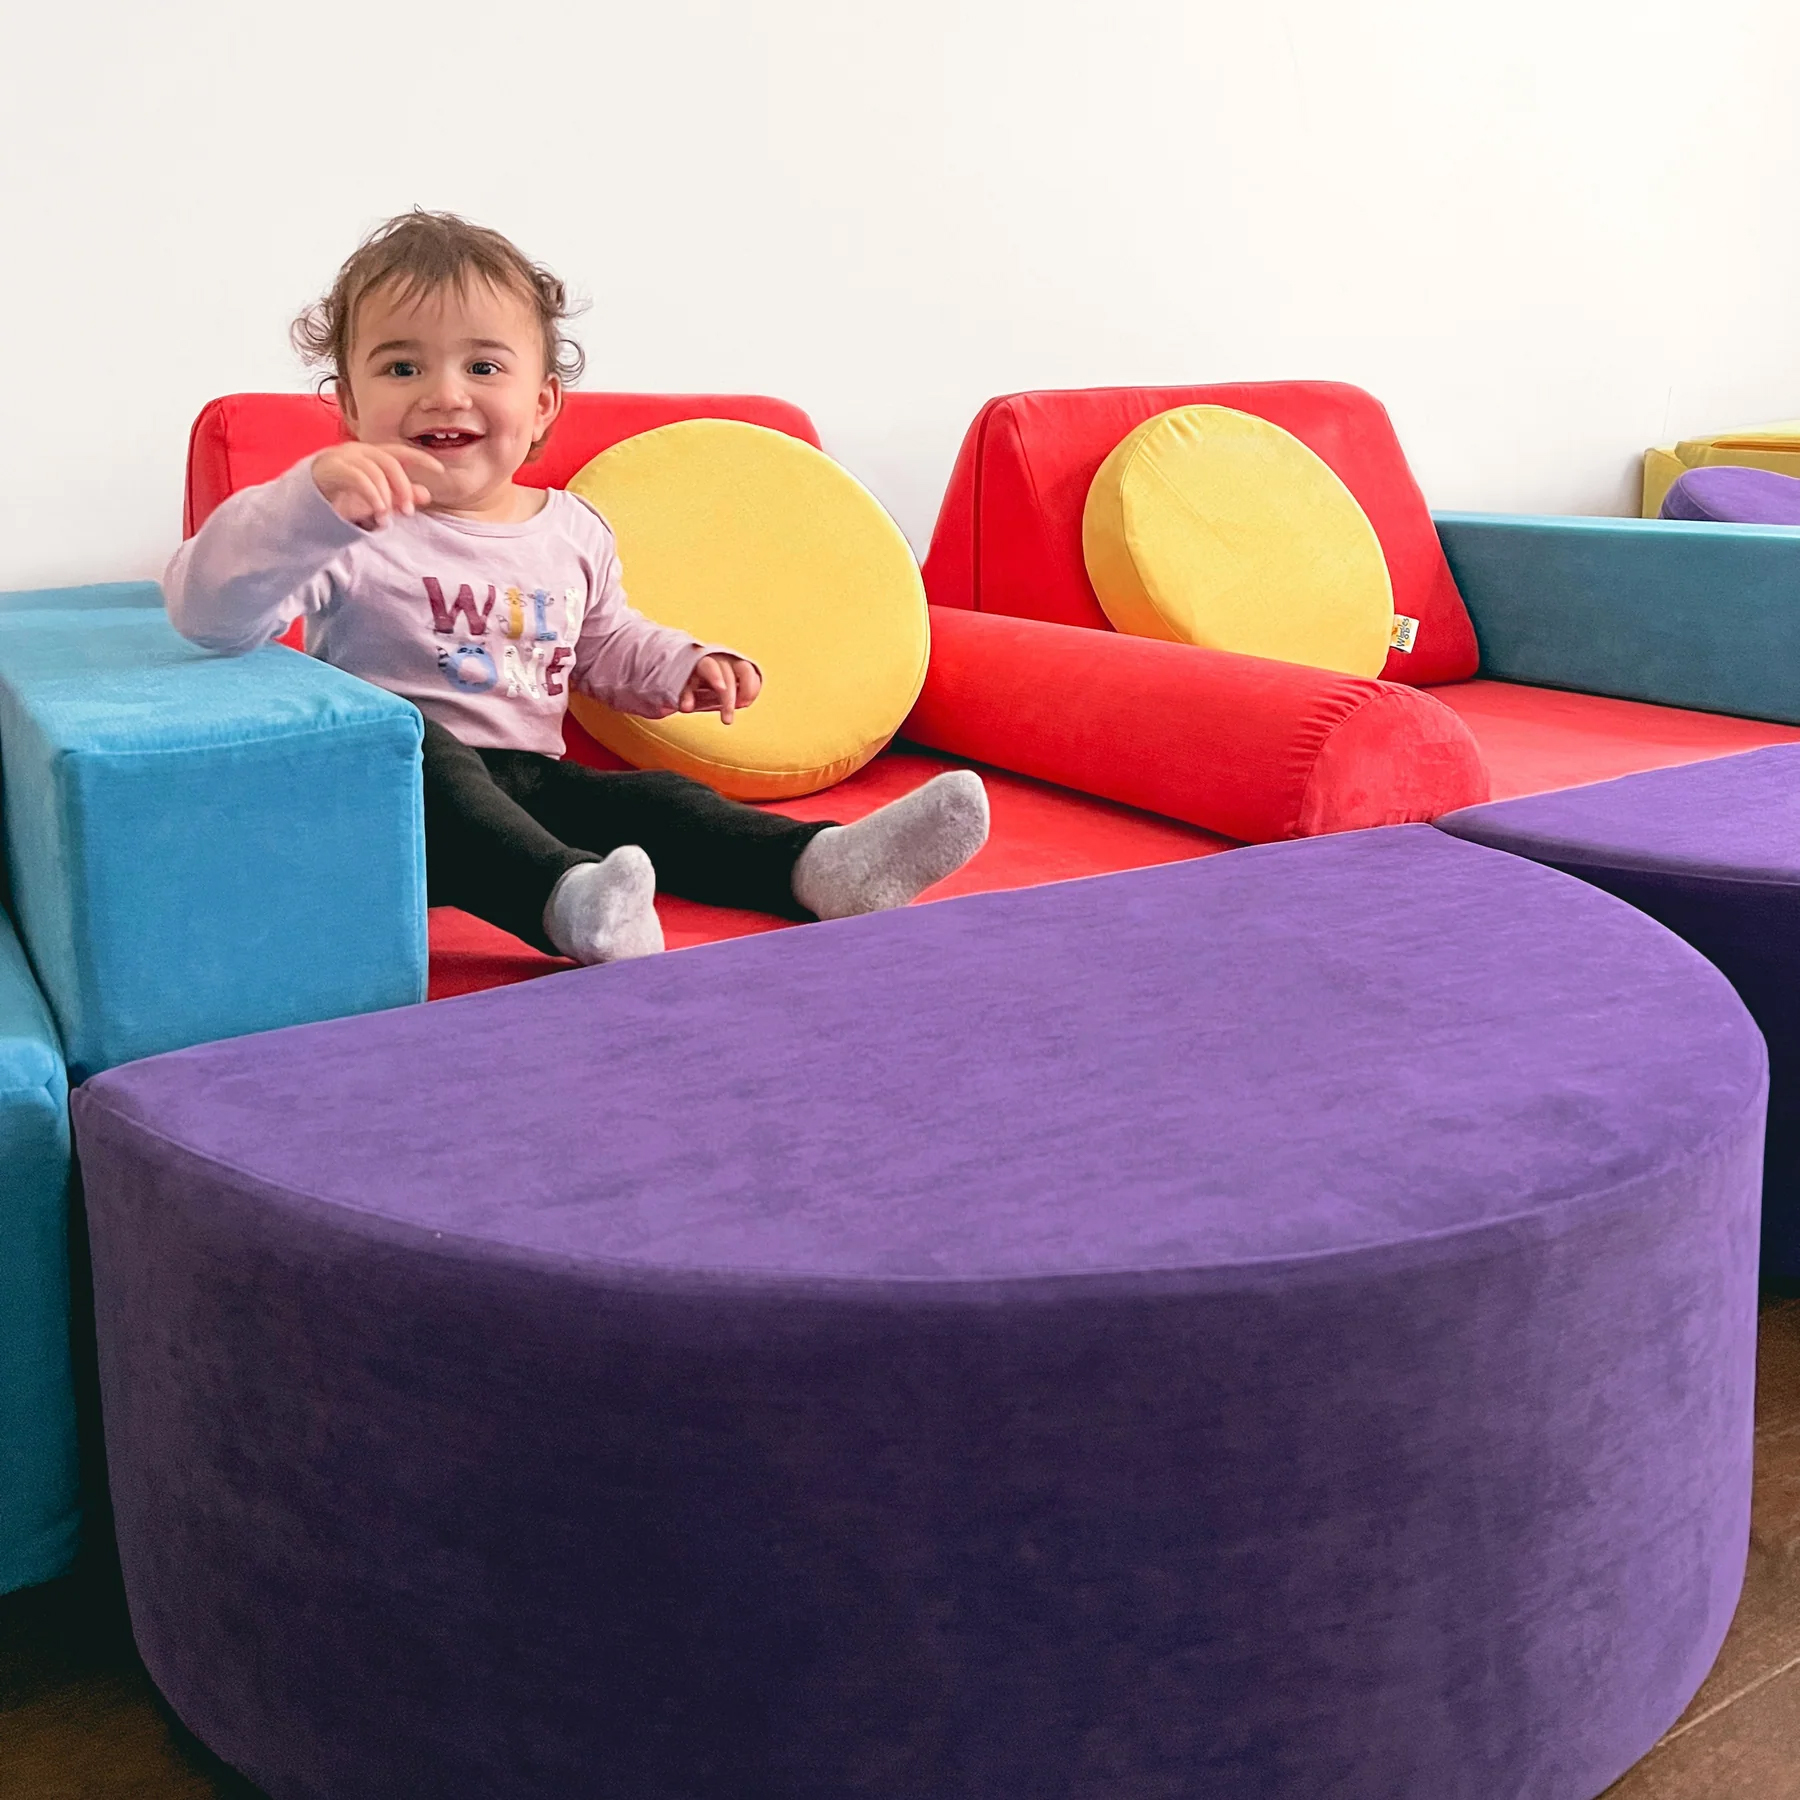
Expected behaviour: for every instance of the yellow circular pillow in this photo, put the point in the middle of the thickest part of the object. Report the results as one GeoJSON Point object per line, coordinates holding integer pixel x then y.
{"type": "Point", "coordinates": [750, 538]}
{"type": "Point", "coordinates": [1210, 526]}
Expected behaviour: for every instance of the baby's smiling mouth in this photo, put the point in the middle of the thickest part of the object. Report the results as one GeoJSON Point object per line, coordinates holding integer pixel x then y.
{"type": "Point", "coordinates": [446, 440]}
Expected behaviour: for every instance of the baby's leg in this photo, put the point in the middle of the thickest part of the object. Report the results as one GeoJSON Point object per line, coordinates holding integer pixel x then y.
{"type": "Point", "coordinates": [485, 853]}
{"type": "Point", "coordinates": [893, 855]}
{"type": "Point", "coordinates": [706, 847]}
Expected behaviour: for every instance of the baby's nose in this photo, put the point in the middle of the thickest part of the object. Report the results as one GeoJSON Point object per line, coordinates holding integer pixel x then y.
{"type": "Point", "coordinates": [449, 390]}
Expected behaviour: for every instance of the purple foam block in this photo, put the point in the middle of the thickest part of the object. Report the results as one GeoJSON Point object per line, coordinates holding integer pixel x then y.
{"type": "Point", "coordinates": [1731, 496]}
{"type": "Point", "coordinates": [1277, 1325]}
{"type": "Point", "coordinates": [1712, 849]}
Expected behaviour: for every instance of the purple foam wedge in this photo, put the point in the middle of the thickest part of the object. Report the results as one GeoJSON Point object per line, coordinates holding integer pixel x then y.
{"type": "Point", "coordinates": [1278, 1325]}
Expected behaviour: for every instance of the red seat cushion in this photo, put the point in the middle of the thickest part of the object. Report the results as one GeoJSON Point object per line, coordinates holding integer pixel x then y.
{"type": "Point", "coordinates": [1008, 537]}
{"type": "Point", "coordinates": [245, 439]}
{"type": "Point", "coordinates": [1534, 739]}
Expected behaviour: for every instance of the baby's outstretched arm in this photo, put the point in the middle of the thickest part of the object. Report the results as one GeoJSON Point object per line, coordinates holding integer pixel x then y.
{"type": "Point", "coordinates": [260, 561]}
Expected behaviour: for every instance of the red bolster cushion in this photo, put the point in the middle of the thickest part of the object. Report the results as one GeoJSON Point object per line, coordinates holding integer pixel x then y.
{"type": "Point", "coordinates": [1254, 749]}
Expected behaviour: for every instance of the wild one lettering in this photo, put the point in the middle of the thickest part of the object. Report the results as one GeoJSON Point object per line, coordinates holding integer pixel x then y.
{"type": "Point", "coordinates": [532, 658]}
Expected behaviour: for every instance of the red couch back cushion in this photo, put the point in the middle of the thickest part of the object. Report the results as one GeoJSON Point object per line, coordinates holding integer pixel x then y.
{"type": "Point", "coordinates": [244, 439]}
{"type": "Point", "coordinates": [1008, 537]}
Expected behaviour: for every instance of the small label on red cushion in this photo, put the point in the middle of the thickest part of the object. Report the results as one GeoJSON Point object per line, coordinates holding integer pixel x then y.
{"type": "Point", "coordinates": [1405, 630]}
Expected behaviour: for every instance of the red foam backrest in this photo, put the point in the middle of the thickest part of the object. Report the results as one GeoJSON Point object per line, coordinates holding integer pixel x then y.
{"type": "Point", "coordinates": [244, 439]}
{"type": "Point", "coordinates": [1008, 537]}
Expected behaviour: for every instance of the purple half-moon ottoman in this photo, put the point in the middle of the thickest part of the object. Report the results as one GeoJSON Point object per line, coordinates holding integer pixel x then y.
{"type": "Point", "coordinates": [1728, 495]}
{"type": "Point", "coordinates": [1280, 1325]}
{"type": "Point", "coordinates": [1711, 849]}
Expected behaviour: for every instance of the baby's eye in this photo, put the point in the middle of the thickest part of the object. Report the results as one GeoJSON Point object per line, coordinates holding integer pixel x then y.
{"type": "Point", "coordinates": [402, 369]}
{"type": "Point", "coordinates": [484, 366]}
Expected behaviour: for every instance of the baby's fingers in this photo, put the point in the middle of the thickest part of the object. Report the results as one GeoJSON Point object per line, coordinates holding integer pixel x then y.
{"type": "Point", "coordinates": [361, 500]}
{"type": "Point", "coordinates": [396, 479]}
{"type": "Point", "coordinates": [415, 460]}
{"type": "Point", "coordinates": [716, 674]}
{"type": "Point", "coordinates": [415, 469]}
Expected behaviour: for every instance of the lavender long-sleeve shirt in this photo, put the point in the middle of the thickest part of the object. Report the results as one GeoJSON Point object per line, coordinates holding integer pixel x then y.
{"type": "Point", "coordinates": [483, 627]}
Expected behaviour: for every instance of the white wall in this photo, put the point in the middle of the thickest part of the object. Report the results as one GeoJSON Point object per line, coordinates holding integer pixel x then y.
{"type": "Point", "coordinates": [1545, 234]}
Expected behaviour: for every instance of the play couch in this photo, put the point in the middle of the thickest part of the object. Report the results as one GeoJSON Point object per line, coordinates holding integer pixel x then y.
{"type": "Point", "coordinates": [290, 889]}
{"type": "Point", "coordinates": [1575, 623]}
{"type": "Point", "coordinates": [256, 822]}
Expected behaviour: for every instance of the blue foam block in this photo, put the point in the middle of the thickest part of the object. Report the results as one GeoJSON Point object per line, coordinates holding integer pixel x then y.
{"type": "Point", "coordinates": [201, 846]}
{"type": "Point", "coordinates": [103, 595]}
{"type": "Point", "coordinates": [39, 1507]}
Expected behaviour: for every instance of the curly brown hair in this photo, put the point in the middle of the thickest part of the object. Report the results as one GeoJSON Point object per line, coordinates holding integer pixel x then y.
{"type": "Point", "coordinates": [421, 252]}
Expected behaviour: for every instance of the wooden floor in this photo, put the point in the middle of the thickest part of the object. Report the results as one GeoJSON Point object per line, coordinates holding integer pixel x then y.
{"type": "Point", "coordinates": [79, 1719]}
{"type": "Point", "coordinates": [1740, 1740]}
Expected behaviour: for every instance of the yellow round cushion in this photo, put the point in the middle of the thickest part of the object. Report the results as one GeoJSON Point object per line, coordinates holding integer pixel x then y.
{"type": "Point", "coordinates": [1210, 526]}
{"type": "Point", "coordinates": [747, 537]}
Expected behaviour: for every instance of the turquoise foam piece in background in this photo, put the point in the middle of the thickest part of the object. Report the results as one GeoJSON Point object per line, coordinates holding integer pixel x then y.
{"type": "Point", "coordinates": [1696, 615]}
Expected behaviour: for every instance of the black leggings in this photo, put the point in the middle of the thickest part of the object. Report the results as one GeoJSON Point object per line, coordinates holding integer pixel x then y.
{"type": "Point", "coordinates": [502, 827]}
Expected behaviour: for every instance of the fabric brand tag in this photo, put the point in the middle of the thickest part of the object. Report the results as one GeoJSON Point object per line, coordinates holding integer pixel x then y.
{"type": "Point", "coordinates": [1404, 632]}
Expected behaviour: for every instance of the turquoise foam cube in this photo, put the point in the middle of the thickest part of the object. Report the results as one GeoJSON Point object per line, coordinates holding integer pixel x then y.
{"type": "Point", "coordinates": [201, 846]}
{"type": "Point", "coordinates": [39, 1501]}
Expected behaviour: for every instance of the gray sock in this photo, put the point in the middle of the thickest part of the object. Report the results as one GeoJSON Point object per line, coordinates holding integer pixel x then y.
{"type": "Point", "coordinates": [894, 854]}
{"type": "Point", "coordinates": [606, 911]}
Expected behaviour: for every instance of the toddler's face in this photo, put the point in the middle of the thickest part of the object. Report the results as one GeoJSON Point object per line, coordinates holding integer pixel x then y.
{"type": "Point", "coordinates": [459, 374]}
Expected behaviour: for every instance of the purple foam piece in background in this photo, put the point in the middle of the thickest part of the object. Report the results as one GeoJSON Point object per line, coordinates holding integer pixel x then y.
{"type": "Point", "coordinates": [1732, 496]}
{"type": "Point", "coordinates": [1282, 1324]}
{"type": "Point", "coordinates": [1712, 850]}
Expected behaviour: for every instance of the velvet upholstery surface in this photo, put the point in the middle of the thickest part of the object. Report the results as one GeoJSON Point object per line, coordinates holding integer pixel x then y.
{"type": "Point", "coordinates": [1728, 496]}
{"type": "Point", "coordinates": [1712, 850]}
{"type": "Point", "coordinates": [1534, 739]}
{"type": "Point", "coordinates": [1245, 746]}
{"type": "Point", "coordinates": [1008, 534]}
{"type": "Point", "coordinates": [200, 846]}
{"type": "Point", "coordinates": [100, 596]}
{"type": "Point", "coordinates": [1692, 615]}
{"type": "Point", "coordinates": [1150, 1335]}
{"type": "Point", "coordinates": [39, 1510]}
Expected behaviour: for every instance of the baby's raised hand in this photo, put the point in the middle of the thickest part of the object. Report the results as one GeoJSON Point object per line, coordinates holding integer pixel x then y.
{"type": "Point", "coordinates": [721, 684]}
{"type": "Point", "coordinates": [366, 484]}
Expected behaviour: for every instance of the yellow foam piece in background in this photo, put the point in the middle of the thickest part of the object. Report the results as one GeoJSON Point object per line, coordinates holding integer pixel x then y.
{"type": "Point", "coordinates": [1774, 447]}
{"type": "Point", "coordinates": [1211, 526]}
{"type": "Point", "coordinates": [748, 537]}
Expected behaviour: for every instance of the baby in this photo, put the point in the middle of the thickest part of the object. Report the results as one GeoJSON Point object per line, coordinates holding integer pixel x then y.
{"type": "Point", "coordinates": [418, 563]}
